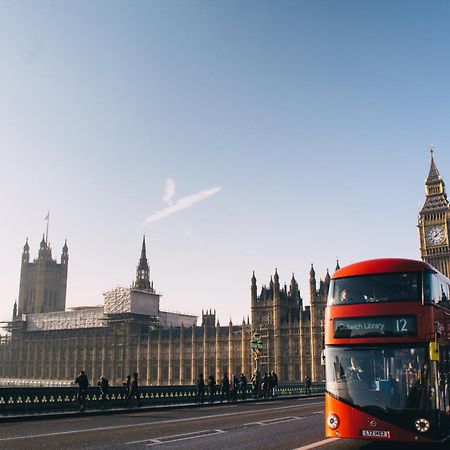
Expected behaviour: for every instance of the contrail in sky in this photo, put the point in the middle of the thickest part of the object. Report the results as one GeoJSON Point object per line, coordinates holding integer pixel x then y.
{"type": "Point", "coordinates": [182, 203]}
{"type": "Point", "coordinates": [170, 191]}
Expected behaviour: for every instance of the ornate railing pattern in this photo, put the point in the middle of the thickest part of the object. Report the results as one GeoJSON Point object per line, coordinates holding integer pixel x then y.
{"type": "Point", "coordinates": [26, 400]}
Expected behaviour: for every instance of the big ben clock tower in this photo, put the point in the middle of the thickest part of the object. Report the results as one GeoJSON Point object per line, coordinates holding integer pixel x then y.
{"type": "Point", "coordinates": [434, 222]}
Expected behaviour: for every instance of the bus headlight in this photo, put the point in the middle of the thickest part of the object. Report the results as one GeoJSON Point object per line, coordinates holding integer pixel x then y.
{"type": "Point", "coordinates": [332, 421]}
{"type": "Point", "coordinates": [422, 425]}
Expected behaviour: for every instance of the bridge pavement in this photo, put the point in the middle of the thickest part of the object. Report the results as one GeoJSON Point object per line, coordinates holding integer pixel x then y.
{"type": "Point", "coordinates": [267, 425]}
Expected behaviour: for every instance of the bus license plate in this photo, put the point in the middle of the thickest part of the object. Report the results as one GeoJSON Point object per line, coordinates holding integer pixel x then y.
{"type": "Point", "coordinates": [375, 433]}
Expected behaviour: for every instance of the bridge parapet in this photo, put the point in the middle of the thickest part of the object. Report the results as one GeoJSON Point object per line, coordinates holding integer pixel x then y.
{"type": "Point", "coordinates": [37, 400]}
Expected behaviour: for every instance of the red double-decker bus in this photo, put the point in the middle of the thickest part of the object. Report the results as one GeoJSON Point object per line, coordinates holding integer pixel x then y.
{"type": "Point", "coordinates": [387, 344]}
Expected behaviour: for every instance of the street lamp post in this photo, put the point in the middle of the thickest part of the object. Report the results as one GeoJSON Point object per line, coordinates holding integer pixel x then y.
{"type": "Point", "coordinates": [256, 346]}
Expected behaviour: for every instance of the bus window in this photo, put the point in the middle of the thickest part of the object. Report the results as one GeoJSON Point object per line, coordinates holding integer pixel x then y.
{"type": "Point", "coordinates": [435, 290]}
{"type": "Point", "coordinates": [375, 288]}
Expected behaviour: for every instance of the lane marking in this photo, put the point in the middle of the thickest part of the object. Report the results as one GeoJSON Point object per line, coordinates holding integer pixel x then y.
{"type": "Point", "coordinates": [275, 421]}
{"type": "Point", "coordinates": [157, 439]}
{"type": "Point", "coordinates": [135, 425]}
{"type": "Point", "coordinates": [169, 440]}
{"type": "Point", "coordinates": [317, 444]}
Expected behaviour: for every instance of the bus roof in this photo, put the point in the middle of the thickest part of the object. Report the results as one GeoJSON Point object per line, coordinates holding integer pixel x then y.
{"type": "Point", "coordinates": [382, 265]}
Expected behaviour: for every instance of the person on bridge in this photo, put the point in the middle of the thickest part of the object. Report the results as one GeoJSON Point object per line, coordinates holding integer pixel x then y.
{"type": "Point", "coordinates": [200, 388]}
{"type": "Point", "coordinates": [126, 388]}
{"type": "Point", "coordinates": [265, 385]}
{"type": "Point", "coordinates": [273, 383]}
{"type": "Point", "coordinates": [212, 388]}
{"type": "Point", "coordinates": [243, 386]}
{"type": "Point", "coordinates": [234, 387]}
{"type": "Point", "coordinates": [83, 384]}
{"type": "Point", "coordinates": [307, 385]}
{"type": "Point", "coordinates": [256, 383]}
{"type": "Point", "coordinates": [225, 388]}
{"type": "Point", "coordinates": [103, 383]}
{"type": "Point", "coordinates": [134, 390]}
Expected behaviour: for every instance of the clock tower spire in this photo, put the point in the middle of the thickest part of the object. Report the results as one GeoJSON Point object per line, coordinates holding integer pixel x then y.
{"type": "Point", "coordinates": [434, 222]}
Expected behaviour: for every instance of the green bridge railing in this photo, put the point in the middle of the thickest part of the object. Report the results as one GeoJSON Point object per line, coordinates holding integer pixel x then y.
{"type": "Point", "coordinates": [26, 400]}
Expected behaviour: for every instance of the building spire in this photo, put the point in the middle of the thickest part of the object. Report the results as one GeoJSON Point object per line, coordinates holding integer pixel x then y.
{"type": "Point", "coordinates": [433, 174]}
{"type": "Point", "coordinates": [434, 188]}
{"type": "Point", "coordinates": [142, 282]}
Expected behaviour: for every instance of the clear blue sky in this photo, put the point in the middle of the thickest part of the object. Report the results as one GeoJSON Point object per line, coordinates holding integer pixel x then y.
{"type": "Point", "coordinates": [298, 131]}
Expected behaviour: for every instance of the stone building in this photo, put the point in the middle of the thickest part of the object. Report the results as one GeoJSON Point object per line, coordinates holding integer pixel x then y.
{"type": "Point", "coordinates": [292, 334]}
{"type": "Point", "coordinates": [131, 333]}
{"type": "Point", "coordinates": [434, 222]}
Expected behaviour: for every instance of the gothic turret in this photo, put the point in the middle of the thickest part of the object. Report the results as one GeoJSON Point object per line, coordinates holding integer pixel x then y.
{"type": "Point", "coordinates": [44, 250]}
{"type": "Point", "coordinates": [254, 292]}
{"type": "Point", "coordinates": [26, 252]}
{"type": "Point", "coordinates": [143, 282]}
{"type": "Point", "coordinates": [65, 254]}
{"type": "Point", "coordinates": [312, 283]}
{"type": "Point", "coordinates": [276, 286]}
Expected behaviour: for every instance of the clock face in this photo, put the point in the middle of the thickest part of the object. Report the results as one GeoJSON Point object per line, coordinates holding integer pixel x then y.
{"type": "Point", "coordinates": [435, 235]}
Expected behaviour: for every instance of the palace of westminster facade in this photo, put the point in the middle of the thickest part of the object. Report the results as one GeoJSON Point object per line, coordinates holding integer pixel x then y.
{"type": "Point", "coordinates": [131, 333]}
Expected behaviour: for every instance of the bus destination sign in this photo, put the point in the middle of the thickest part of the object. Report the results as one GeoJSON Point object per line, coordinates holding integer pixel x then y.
{"type": "Point", "coordinates": [382, 326]}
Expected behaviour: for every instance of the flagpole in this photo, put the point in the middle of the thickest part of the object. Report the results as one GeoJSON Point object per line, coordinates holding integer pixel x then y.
{"type": "Point", "coordinates": [48, 220]}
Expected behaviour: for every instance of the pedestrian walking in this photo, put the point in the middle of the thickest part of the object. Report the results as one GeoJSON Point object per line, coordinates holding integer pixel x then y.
{"type": "Point", "coordinates": [83, 384]}
{"type": "Point", "coordinates": [265, 385]}
{"type": "Point", "coordinates": [212, 388]}
{"type": "Point", "coordinates": [103, 384]}
{"type": "Point", "coordinates": [273, 383]}
{"type": "Point", "coordinates": [134, 390]}
{"type": "Point", "coordinates": [225, 388]}
{"type": "Point", "coordinates": [126, 388]}
{"type": "Point", "coordinates": [243, 386]}
{"type": "Point", "coordinates": [234, 387]}
{"type": "Point", "coordinates": [256, 384]}
{"type": "Point", "coordinates": [307, 385]}
{"type": "Point", "coordinates": [200, 388]}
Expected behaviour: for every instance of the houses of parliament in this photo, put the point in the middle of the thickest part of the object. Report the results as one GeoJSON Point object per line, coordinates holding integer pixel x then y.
{"type": "Point", "coordinates": [130, 332]}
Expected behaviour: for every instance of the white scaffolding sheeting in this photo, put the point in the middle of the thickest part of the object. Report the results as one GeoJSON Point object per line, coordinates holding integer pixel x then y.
{"type": "Point", "coordinates": [124, 300]}
{"type": "Point", "coordinates": [67, 320]}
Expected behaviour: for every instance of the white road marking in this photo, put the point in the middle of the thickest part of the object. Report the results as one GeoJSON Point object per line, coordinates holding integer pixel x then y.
{"type": "Point", "coordinates": [274, 421]}
{"type": "Point", "coordinates": [317, 444]}
{"type": "Point", "coordinates": [185, 438]}
{"type": "Point", "coordinates": [278, 421]}
{"type": "Point", "coordinates": [165, 437]}
{"type": "Point", "coordinates": [145, 424]}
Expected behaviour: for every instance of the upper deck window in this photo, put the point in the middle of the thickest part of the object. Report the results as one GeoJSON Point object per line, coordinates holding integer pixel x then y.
{"type": "Point", "coordinates": [376, 288]}
{"type": "Point", "coordinates": [435, 289]}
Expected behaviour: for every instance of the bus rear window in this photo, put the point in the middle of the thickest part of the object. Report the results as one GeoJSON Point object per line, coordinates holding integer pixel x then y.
{"type": "Point", "coordinates": [375, 288]}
